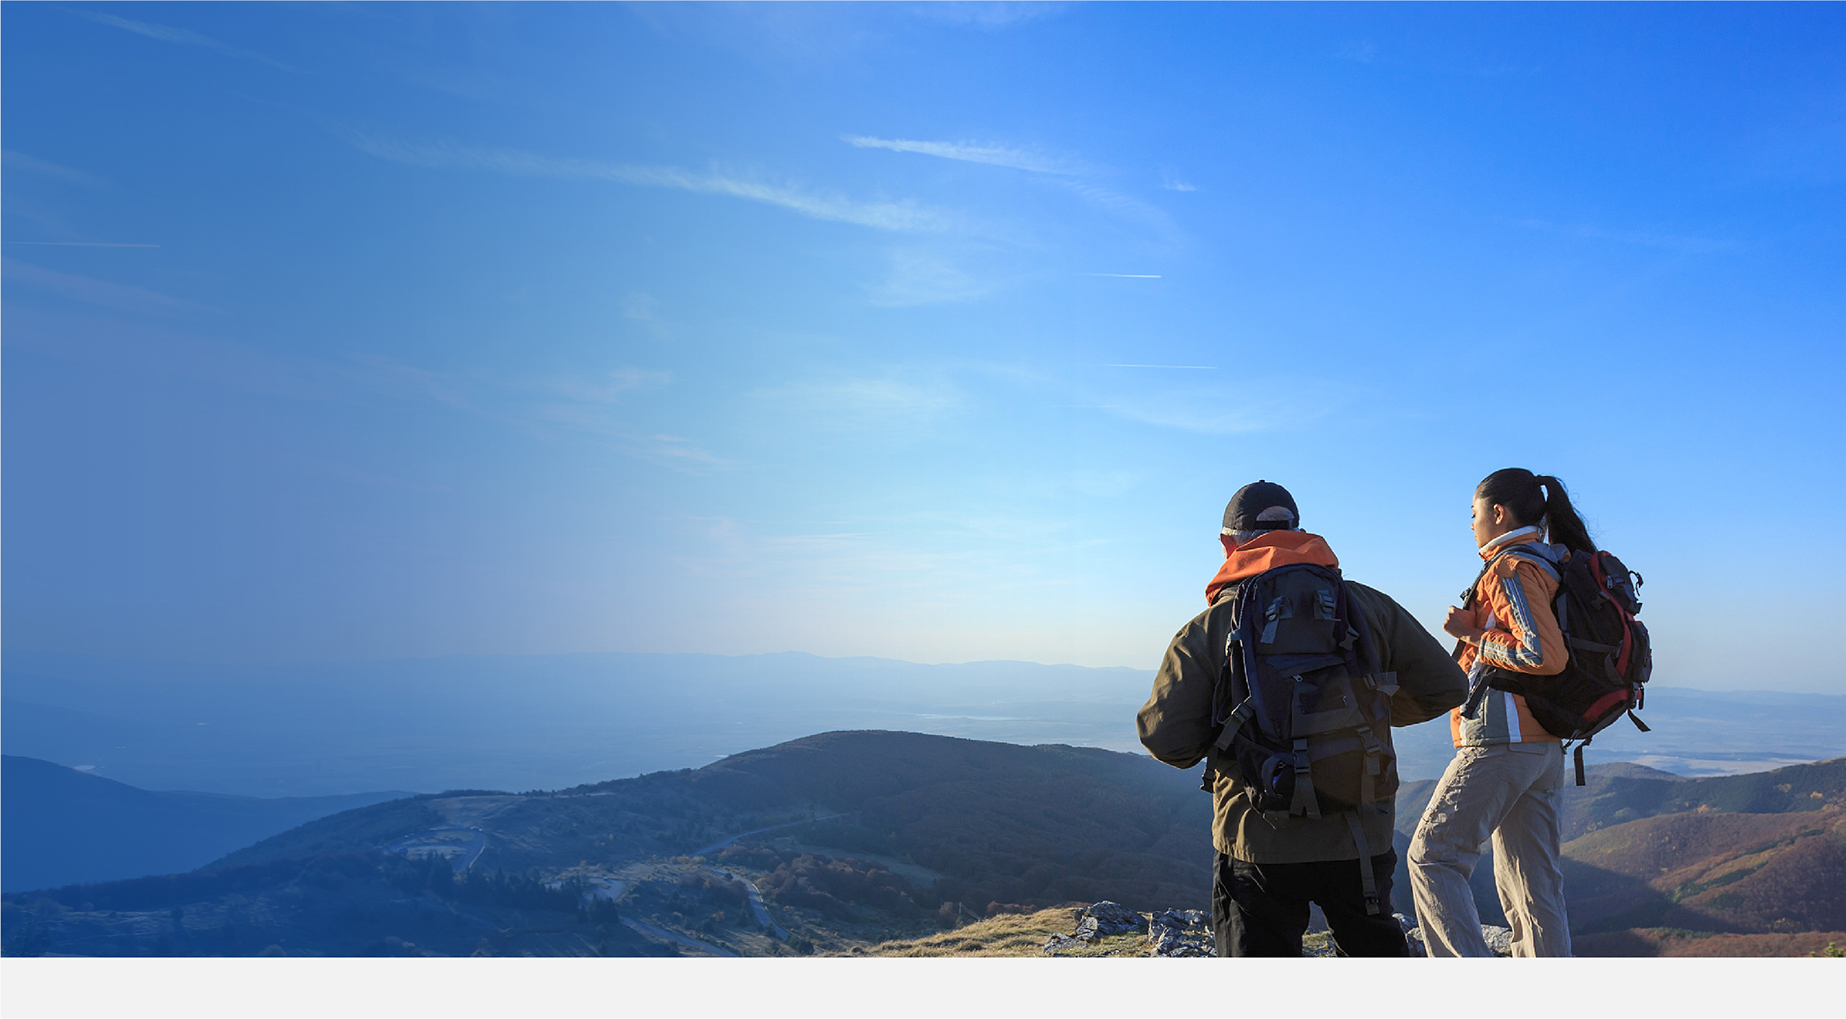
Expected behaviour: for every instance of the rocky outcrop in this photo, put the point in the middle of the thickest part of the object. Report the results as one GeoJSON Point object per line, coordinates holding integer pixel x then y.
{"type": "Point", "coordinates": [1187, 934]}
{"type": "Point", "coordinates": [1106, 918]}
{"type": "Point", "coordinates": [1101, 920]}
{"type": "Point", "coordinates": [1179, 934]}
{"type": "Point", "coordinates": [1499, 939]}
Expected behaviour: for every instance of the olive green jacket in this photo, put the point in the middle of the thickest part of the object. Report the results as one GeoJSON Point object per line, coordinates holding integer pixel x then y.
{"type": "Point", "coordinates": [1175, 726]}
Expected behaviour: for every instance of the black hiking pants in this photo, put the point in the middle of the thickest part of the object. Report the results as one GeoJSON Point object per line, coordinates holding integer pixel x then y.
{"type": "Point", "coordinates": [1262, 908]}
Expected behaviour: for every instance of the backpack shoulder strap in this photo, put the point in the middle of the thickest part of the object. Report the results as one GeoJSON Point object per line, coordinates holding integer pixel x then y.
{"type": "Point", "coordinates": [1534, 558]}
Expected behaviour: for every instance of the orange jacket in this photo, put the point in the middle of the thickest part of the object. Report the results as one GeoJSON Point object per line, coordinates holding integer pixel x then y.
{"type": "Point", "coordinates": [1267, 551]}
{"type": "Point", "coordinates": [1512, 603]}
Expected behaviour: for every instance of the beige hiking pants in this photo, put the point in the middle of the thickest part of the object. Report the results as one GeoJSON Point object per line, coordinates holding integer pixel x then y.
{"type": "Point", "coordinates": [1512, 792]}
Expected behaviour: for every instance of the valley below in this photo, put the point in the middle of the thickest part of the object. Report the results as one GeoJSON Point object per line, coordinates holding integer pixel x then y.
{"type": "Point", "coordinates": [883, 842]}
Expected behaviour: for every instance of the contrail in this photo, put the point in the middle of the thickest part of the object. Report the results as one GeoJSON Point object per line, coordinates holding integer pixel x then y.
{"type": "Point", "coordinates": [1201, 367]}
{"type": "Point", "coordinates": [1125, 275]}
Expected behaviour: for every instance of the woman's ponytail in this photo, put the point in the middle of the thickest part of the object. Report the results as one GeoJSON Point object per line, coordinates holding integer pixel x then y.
{"type": "Point", "coordinates": [1533, 499]}
{"type": "Point", "coordinates": [1565, 526]}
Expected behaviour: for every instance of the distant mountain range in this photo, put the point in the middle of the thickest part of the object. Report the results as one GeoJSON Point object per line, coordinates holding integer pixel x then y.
{"type": "Point", "coordinates": [856, 838]}
{"type": "Point", "coordinates": [521, 722]}
{"type": "Point", "coordinates": [551, 721]}
{"type": "Point", "coordinates": [64, 827]}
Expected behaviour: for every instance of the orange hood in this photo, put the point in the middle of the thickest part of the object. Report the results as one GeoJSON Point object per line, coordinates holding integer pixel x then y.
{"type": "Point", "coordinates": [1266, 552]}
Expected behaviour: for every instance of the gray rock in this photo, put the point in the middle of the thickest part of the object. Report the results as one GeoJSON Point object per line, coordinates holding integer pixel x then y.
{"type": "Point", "coordinates": [1116, 914]}
{"type": "Point", "coordinates": [1499, 939]}
{"type": "Point", "coordinates": [1186, 933]}
{"type": "Point", "coordinates": [1106, 918]}
{"type": "Point", "coordinates": [1413, 936]}
{"type": "Point", "coordinates": [1179, 934]}
{"type": "Point", "coordinates": [1171, 943]}
{"type": "Point", "coordinates": [1058, 944]}
{"type": "Point", "coordinates": [1179, 920]}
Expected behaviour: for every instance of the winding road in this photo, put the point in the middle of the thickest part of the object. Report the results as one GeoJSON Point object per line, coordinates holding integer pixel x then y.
{"type": "Point", "coordinates": [661, 932]}
{"type": "Point", "coordinates": [725, 842]}
{"type": "Point", "coordinates": [431, 840]}
{"type": "Point", "coordinates": [756, 895]}
{"type": "Point", "coordinates": [756, 901]}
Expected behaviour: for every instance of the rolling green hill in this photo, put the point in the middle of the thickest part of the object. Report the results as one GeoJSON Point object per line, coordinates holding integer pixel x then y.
{"type": "Point", "coordinates": [853, 839]}
{"type": "Point", "coordinates": [1031, 825]}
{"type": "Point", "coordinates": [870, 835]}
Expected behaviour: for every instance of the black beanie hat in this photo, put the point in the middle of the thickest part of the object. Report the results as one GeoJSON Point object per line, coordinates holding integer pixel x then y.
{"type": "Point", "coordinates": [1248, 505]}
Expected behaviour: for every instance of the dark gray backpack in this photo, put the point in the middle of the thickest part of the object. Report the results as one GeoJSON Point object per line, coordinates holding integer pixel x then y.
{"type": "Point", "coordinates": [1304, 705]}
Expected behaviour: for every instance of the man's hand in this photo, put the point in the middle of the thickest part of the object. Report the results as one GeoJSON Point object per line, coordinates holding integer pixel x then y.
{"type": "Point", "coordinates": [1460, 623]}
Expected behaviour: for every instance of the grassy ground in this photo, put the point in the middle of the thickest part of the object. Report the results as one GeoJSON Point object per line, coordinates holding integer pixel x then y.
{"type": "Point", "coordinates": [1024, 936]}
{"type": "Point", "coordinates": [1008, 934]}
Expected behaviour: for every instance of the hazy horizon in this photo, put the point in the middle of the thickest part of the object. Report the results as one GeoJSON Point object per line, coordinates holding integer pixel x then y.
{"type": "Point", "coordinates": [552, 721]}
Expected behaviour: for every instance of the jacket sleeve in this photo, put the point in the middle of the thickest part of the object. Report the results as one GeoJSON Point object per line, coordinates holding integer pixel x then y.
{"type": "Point", "coordinates": [1529, 639]}
{"type": "Point", "coordinates": [1429, 682]}
{"type": "Point", "coordinates": [1175, 723]}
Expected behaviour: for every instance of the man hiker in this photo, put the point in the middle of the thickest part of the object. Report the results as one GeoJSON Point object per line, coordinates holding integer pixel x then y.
{"type": "Point", "coordinates": [1287, 686]}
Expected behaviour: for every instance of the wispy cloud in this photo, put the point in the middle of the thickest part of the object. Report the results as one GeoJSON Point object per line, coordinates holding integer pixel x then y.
{"type": "Point", "coordinates": [582, 407]}
{"type": "Point", "coordinates": [968, 152]}
{"type": "Point", "coordinates": [612, 385]}
{"type": "Point", "coordinates": [44, 168]}
{"type": "Point", "coordinates": [100, 292]}
{"type": "Point", "coordinates": [1171, 183]}
{"type": "Point", "coordinates": [897, 397]}
{"type": "Point", "coordinates": [1185, 397]}
{"type": "Point", "coordinates": [640, 306]}
{"type": "Point", "coordinates": [673, 451]}
{"type": "Point", "coordinates": [1217, 413]}
{"type": "Point", "coordinates": [180, 36]}
{"type": "Point", "coordinates": [584, 411]}
{"type": "Point", "coordinates": [925, 277]}
{"type": "Point", "coordinates": [900, 215]}
{"type": "Point", "coordinates": [392, 376]}
{"type": "Point", "coordinates": [1123, 206]}
{"type": "Point", "coordinates": [1065, 173]}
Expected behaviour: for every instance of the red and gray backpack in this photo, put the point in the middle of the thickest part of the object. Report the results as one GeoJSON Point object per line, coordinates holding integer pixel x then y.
{"type": "Point", "coordinates": [1610, 655]}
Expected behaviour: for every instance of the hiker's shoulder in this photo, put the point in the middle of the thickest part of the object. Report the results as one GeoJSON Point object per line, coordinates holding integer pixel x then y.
{"type": "Point", "coordinates": [1378, 605]}
{"type": "Point", "coordinates": [1530, 560]}
{"type": "Point", "coordinates": [1209, 627]}
{"type": "Point", "coordinates": [1196, 627]}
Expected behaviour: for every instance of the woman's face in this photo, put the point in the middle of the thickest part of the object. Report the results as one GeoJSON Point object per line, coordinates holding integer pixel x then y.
{"type": "Point", "coordinates": [1489, 521]}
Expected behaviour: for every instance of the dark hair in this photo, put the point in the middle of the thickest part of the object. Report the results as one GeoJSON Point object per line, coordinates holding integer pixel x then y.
{"type": "Point", "coordinates": [1537, 498]}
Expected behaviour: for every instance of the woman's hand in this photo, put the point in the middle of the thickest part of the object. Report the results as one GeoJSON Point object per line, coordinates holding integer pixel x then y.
{"type": "Point", "coordinates": [1460, 623]}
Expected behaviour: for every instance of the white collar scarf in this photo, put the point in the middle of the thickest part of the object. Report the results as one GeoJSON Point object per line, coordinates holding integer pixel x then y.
{"type": "Point", "coordinates": [1509, 538]}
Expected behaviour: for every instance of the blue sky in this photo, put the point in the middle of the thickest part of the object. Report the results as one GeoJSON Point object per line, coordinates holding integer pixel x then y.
{"type": "Point", "coordinates": [346, 331]}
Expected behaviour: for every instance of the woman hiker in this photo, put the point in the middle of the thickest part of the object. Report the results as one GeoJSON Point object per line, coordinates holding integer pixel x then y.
{"type": "Point", "coordinates": [1507, 777]}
